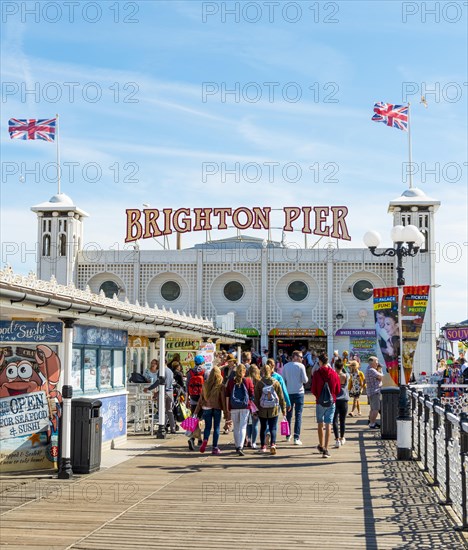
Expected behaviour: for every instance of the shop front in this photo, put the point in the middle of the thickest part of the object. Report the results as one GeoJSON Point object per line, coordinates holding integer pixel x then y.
{"type": "Point", "coordinates": [98, 370]}
{"type": "Point", "coordinates": [290, 339]}
{"type": "Point", "coordinates": [253, 338]}
{"type": "Point", "coordinates": [182, 350]}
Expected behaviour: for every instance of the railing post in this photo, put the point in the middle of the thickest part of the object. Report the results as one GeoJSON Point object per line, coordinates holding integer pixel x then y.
{"type": "Point", "coordinates": [448, 437]}
{"type": "Point", "coordinates": [427, 413]}
{"type": "Point", "coordinates": [464, 456]}
{"type": "Point", "coordinates": [436, 421]}
{"type": "Point", "coordinates": [420, 411]}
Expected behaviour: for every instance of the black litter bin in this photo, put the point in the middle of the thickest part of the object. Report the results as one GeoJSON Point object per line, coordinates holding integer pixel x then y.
{"type": "Point", "coordinates": [389, 412]}
{"type": "Point", "coordinates": [86, 435]}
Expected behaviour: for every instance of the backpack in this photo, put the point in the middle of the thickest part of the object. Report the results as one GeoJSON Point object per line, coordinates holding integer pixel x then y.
{"type": "Point", "coordinates": [326, 398]}
{"type": "Point", "coordinates": [195, 385]}
{"type": "Point", "coordinates": [239, 396]}
{"type": "Point", "coordinates": [269, 398]}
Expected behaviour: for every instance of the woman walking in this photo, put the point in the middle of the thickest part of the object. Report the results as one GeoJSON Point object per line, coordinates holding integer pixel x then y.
{"type": "Point", "coordinates": [341, 409]}
{"type": "Point", "coordinates": [269, 400]}
{"type": "Point", "coordinates": [239, 393]}
{"type": "Point", "coordinates": [252, 426]}
{"type": "Point", "coordinates": [356, 385]}
{"type": "Point", "coordinates": [212, 402]}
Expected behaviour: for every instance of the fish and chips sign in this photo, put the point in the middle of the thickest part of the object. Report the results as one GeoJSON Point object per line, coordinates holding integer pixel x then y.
{"type": "Point", "coordinates": [325, 221]}
{"type": "Point", "coordinates": [24, 414]}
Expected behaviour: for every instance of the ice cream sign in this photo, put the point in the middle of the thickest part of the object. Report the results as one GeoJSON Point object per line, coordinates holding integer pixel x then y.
{"type": "Point", "coordinates": [23, 414]}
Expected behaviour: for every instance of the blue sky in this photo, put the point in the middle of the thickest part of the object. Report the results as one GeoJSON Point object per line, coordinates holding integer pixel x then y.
{"type": "Point", "coordinates": [151, 130]}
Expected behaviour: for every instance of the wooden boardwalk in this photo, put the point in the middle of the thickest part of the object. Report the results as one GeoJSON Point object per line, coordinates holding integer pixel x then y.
{"type": "Point", "coordinates": [170, 498]}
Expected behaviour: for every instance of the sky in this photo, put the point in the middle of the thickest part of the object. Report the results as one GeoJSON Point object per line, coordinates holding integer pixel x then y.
{"type": "Point", "coordinates": [227, 104]}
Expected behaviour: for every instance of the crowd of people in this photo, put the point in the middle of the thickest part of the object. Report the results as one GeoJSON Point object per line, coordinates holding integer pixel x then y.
{"type": "Point", "coordinates": [252, 394]}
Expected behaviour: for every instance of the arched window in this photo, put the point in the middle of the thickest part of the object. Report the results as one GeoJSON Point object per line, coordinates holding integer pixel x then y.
{"type": "Point", "coordinates": [46, 245]}
{"type": "Point", "coordinates": [62, 244]}
{"type": "Point", "coordinates": [109, 288]}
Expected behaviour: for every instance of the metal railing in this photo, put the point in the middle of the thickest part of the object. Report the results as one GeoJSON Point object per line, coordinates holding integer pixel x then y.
{"type": "Point", "coordinates": [440, 443]}
{"type": "Point", "coordinates": [455, 395]}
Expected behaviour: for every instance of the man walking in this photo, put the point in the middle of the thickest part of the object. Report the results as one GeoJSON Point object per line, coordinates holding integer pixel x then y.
{"type": "Point", "coordinates": [295, 377]}
{"type": "Point", "coordinates": [374, 383]}
{"type": "Point", "coordinates": [325, 412]}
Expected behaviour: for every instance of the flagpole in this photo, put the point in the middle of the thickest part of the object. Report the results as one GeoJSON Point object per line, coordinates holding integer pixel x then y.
{"type": "Point", "coordinates": [409, 150]}
{"type": "Point", "coordinates": [58, 152]}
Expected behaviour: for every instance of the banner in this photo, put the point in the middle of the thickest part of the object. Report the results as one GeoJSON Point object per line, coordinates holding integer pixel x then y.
{"type": "Point", "coordinates": [361, 332]}
{"type": "Point", "coordinates": [30, 331]}
{"type": "Point", "coordinates": [413, 309]}
{"type": "Point", "coordinates": [181, 343]}
{"type": "Point", "coordinates": [454, 334]}
{"type": "Point", "coordinates": [387, 329]}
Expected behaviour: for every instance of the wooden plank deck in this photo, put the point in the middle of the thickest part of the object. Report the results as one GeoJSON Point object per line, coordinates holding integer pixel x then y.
{"type": "Point", "coordinates": [168, 497]}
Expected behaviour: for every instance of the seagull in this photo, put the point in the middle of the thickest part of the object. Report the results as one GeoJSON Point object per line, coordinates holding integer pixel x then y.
{"type": "Point", "coordinates": [423, 101]}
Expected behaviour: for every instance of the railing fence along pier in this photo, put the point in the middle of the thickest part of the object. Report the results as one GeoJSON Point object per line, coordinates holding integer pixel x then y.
{"type": "Point", "coordinates": [440, 441]}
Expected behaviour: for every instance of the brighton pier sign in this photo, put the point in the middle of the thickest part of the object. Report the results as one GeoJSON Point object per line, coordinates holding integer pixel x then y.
{"type": "Point", "coordinates": [327, 221]}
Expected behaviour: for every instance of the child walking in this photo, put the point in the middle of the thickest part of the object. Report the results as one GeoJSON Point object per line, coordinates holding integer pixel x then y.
{"type": "Point", "coordinates": [357, 383]}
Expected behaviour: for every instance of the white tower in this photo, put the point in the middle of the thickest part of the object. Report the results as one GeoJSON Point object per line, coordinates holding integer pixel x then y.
{"type": "Point", "coordinates": [416, 208]}
{"type": "Point", "coordinates": [59, 237]}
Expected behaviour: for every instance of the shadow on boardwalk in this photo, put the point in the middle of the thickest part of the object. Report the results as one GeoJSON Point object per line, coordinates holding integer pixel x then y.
{"type": "Point", "coordinates": [399, 496]}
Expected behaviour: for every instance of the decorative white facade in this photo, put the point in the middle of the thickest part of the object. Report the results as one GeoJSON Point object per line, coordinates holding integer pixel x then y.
{"type": "Point", "coordinates": [306, 294]}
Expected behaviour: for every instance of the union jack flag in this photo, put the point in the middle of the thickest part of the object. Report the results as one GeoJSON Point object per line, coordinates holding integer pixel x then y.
{"type": "Point", "coordinates": [31, 128]}
{"type": "Point", "coordinates": [391, 115]}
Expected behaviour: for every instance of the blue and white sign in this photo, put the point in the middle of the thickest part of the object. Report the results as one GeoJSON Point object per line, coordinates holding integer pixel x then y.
{"type": "Point", "coordinates": [30, 331]}
{"type": "Point", "coordinates": [98, 336]}
{"type": "Point", "coordinates": [114, 417]}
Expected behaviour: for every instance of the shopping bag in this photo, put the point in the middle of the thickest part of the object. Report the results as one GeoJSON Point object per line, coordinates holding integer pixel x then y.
{"type": "Point", "coordinates": [190, 424]}
{"type": "Point", "coordinates": [284, 427]}
{"type": "Point", "coordinates": [252, 407]}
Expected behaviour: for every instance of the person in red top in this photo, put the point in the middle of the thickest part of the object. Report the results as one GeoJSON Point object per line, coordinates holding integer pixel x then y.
{"type": "Point", "coordinates": [239, 394]}
{"type": "Point", "coordinates": [325, 414]}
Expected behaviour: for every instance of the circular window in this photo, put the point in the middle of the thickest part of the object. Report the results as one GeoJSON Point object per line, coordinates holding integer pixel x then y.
{"type": "Point", "coordinates": [298, 291]}
{"type": "Point", "coordinates": [233, 291]}
{"type": "Point", "coordinates": [170, 291]}
{"type": "Point", "coordinates": [362, 290]}
{"type": "Point", "coordinates": [109, 288]}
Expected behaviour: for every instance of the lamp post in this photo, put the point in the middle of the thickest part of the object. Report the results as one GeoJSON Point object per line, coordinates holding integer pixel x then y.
{"type": "Point", "coordinates": [414, 239]}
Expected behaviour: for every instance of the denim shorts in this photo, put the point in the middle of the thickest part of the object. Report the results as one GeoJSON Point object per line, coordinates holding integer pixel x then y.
{"type": "Point", "coordinates": [325, 414]}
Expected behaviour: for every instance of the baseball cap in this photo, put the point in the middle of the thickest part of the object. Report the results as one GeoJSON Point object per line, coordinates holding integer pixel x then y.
{"type": "Point", "coordinates": [199, 359]}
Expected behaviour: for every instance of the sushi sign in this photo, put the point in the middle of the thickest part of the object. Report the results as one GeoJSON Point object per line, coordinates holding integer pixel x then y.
{"type": "Point", "coordinates": [22, 415]}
